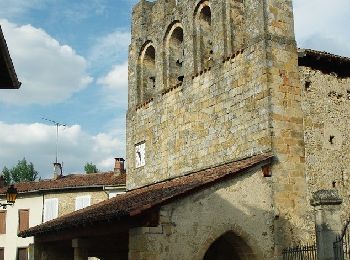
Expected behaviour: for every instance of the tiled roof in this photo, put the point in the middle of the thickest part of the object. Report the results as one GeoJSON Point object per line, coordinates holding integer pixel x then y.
{"type": "Point", "coordinates": [8, 77]}
{"type": "Point", "coordinates": [135, 202]}
{"type": "Point", "coordinates": [325, 62]}
{"type": "Point", "coordinates": [71, 181]}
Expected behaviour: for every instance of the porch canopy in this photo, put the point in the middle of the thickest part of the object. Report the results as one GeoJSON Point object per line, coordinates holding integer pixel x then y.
{"type": "Point", "coordinates": [103, 228]}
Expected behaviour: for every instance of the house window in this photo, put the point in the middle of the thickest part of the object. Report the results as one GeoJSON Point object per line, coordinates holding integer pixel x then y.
{"type": "Point", "coordinates": [140, 150]}
{"type": "Point", "coordinates": [2, 253]}
{"type": "Point", "coordinates": [23, 219]}
{"type": "Point", "coordinates": [50, 209]}
{"type": "Point", "coordinates": [2, 222]}
{"type": "Point", "coordinates": [82, 202]}
{"type": "Point", "coordinates": [22, 254]}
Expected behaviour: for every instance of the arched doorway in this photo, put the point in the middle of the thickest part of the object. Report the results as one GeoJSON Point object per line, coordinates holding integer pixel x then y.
{"type": "Point", "coordinates": [229, 247]}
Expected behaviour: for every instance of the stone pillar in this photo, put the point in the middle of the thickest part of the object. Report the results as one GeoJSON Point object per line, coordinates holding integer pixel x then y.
{"type": "Point", "coordinates": [80, 249]}
{"type": "Point", "coordinates": [31, 251]}
{"type": "Point", "coordinates": [327, 220]}
{"type": "Point", "coordinates": [37, 252]}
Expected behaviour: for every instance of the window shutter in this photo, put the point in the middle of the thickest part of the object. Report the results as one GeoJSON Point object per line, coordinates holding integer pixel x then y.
{"type": "Point", "coordinates": [23, 219]}
{"type": "Point", "coordinates": [2, 222]}
{"type": "Point", "coordinates": [82, 202]}
{"type": "Point", "coordinates": [87, 201]}
{"type": "Point", "coordinates": [50, 209]}
{"type": "Point", "coordinates": [2, 254]}
{"type": "Point", "coordinates": [112, 195]}
{"type": "Point", "coordinates": [78, 203]}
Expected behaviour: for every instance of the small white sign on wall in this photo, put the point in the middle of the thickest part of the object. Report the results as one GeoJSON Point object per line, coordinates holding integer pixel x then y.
{"type": "Point", "coordinates": [140, 153]}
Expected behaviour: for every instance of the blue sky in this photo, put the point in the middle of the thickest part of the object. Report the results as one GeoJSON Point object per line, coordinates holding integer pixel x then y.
{"type": "Point", "coordinates": [71, 57]}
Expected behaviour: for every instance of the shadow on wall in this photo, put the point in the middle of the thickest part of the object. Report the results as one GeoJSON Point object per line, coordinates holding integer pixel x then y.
{"type": "Point", "coordinates": [250, 234]}
{"type": "Point", "coordinates": [235, 217]}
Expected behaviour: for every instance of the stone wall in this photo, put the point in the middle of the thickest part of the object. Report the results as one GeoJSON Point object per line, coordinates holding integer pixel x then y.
{"type": "Point", "coordinates": [218, 112]}
{"type": "Point", "coordinates": [245, 97]}
{"type": "Point", "coordinates": [326, 107]}
{"type": "Point", "coordinates": [66, 199]}
{"type": "Point", "coordinates": [242, 205]}
{"type": "Point", "coordinates": [286, 122]}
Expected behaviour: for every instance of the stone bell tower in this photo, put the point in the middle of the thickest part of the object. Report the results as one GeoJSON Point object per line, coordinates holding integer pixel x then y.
{"type": "Point", "coordinates": [213, 81]}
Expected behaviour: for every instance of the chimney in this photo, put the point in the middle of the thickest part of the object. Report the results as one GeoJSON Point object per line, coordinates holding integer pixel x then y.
{"type": "Point", "coordinates": [57, 170]}
{"type": "Point", "coordinates": [119, 166]}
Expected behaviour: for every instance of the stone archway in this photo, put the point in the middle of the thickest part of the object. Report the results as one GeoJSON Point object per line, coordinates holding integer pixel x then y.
{"type": "Point", "coordinates": [174, 46]}
{"type": "Point", "coordinates": [229, 247]}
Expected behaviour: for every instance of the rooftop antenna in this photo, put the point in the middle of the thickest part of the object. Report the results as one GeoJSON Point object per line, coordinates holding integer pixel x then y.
{"type": "Point", "coordinates": [57, 125]}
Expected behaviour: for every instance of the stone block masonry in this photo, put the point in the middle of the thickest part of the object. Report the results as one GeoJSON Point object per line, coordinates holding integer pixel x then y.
{"type": "Point", "coordinates": [212, 81]}
{"type": "Point", "coordinates": [326, 107]}
{"type": "Point", "coordinates": [215, 107]}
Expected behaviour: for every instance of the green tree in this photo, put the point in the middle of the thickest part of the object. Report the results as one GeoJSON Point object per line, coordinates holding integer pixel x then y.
{"type": "Point", "coordinates": [23, 171]}
{"type": "Point", "coordinates": [90, 168]}
{"type": "Point", "coordinates": [7, 176]}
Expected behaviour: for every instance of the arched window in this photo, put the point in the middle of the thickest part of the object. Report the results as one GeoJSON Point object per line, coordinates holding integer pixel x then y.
{"type": "Point", "coordinates": [147, 73]}
{"type": "Point", "coordinates": [203, 36]}
{"type": "Point", "coordinates": [236, 25]}
{"type": "Point", "coordinates": [174, 55]}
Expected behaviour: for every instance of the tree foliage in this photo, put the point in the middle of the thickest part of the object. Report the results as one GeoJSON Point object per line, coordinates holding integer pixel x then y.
{"type": "Point", "coordinates": [90, 168]}
{"type": "Point", "coordinates": [7, 175]}
{"type": "Point", "coordinates": [23, 171]}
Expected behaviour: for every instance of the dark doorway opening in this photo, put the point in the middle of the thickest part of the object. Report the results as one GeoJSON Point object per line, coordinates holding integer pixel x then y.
{"type": "Point", "coordinates": [229, 247]}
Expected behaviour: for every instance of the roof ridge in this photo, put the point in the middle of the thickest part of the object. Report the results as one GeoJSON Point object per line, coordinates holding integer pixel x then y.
{"type": "Point", "coordinates": [70, 181]}
{"type": "Point", "coordinates": [323, 53]}
{"type": "Point", "coordinates": [268, 151]}
{"type": "Point", "coordinates": [137, 201]}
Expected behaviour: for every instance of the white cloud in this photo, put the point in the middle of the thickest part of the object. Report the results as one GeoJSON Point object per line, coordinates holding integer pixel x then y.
{"type": "Point", "coordinates": [115, 84]}
{"type": "Point", "coordinates": [114, 45]}
{"type": "Point", "coordinates": [115, 81]}
{"type": "Point", "coordinates": [323, 25]}
{"type": "Point", "coordinates": [9, 8]}
{"type": "Point", "coordinates": [37, 143]}
{"type": "Point", "coordinates": [117, 78]}
{"type": "Point", "coordinates": [76, 11]}
{"type": "Point", "coordinates": [49, 72]}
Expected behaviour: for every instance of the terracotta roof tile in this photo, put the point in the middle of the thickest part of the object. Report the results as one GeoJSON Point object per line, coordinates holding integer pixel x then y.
{"type": "Point", "coordinates": [325, 62]}
{"type": "Point", "coordinates": [136, 201]}
{"type": "Point", "coordinates": [70, 181]}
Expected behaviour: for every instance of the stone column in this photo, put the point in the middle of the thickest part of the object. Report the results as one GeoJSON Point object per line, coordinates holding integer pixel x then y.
{"type": "Point", "coordinates": [80, 249]}
{"type": "Point", "coordinates": [327, 220]}
{"type": "Point", "coordinates": [31, 252]}
{"type": "Point", "coordinates": [38, 251]}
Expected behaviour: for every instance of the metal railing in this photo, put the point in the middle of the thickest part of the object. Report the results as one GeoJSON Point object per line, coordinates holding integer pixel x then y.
{"type": "Point", "coordinates": [307, 252]}
{"type": "Point", "coordinates": [341, 245]}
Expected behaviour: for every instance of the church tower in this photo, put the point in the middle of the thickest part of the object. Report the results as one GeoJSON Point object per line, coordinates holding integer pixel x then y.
{"type": "Point", "coordinates": [212, 81]}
